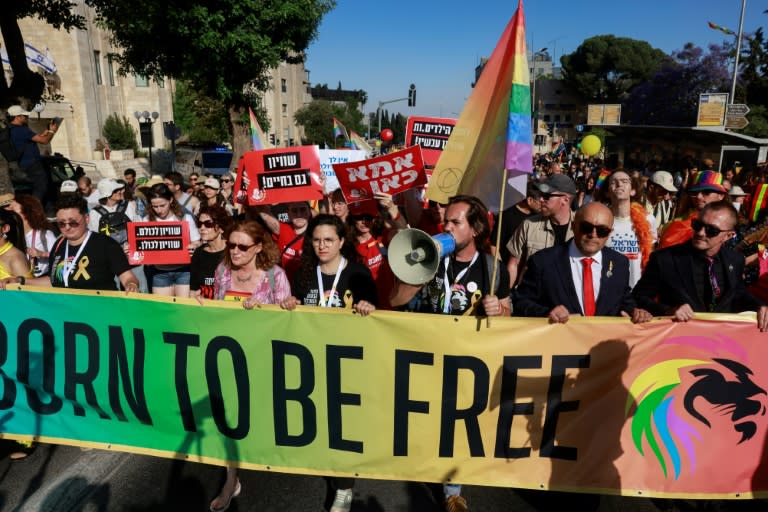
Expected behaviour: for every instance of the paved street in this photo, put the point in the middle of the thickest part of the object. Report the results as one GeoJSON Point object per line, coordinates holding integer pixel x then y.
{"type": "Point", "coordinates": [67, 479]}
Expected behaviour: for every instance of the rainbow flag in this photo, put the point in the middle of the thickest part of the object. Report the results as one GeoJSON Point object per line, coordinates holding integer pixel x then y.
{"type": "Point", "coordinates": [258, 139]}
{"type": "Point", "coordinates": [758, 201]}
{"type": "Point", "coordinates": [359, 143]}
{"type": "Point", "coordinates": [721, 29]}
{"type": "Point", "coordinates": [601, 178]}
{"type": "Point", "coordinates": [339, 130]}
{"type": "Point", "coordinates": [493, 131]}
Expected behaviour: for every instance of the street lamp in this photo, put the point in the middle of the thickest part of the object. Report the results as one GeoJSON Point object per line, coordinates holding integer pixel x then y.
{"type": "Point", "coordinates": [534, 107]}
{"type": "Point", "coordinates": [146, 120]}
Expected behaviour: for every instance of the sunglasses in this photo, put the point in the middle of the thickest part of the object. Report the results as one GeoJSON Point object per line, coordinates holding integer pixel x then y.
{"type": "Point", "coordinates": [240, 247]}
{"type": "Point", "coordinates": [546, 197]}
{"type": "Point", "coordinates": [709, 230]}
{"type": "Point", "coordinates": [225, 180]}
{"type": "Point", "coordinates": [64, 223]}
{"type": "Point", "coordinates": [206, 224]}
{"type": "Point", "coordinates": [587, 227]}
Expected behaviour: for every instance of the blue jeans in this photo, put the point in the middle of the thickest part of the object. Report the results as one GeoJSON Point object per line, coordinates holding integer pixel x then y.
{"type": "Point", "coordinates": [168, 279]}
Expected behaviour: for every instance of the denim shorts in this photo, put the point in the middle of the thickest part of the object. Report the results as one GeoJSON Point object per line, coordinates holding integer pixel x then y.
{"type": "Point", "coordinates": [168, 279]}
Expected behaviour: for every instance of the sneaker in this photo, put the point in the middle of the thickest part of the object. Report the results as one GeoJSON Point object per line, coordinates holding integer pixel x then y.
{"type": "Point", "coordinates": [456, 503]}
{"type": "Point", "coordinates": [343, 501]}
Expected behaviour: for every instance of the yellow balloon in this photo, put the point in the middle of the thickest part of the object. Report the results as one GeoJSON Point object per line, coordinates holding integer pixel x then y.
{"type": "Point", "coordinates": [590, 145]}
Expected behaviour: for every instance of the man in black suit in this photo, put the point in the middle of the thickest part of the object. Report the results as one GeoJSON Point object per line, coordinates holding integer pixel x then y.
{"type": "Point", "coordinates": [580, 277]}
{"type": "Point", "coordinates": [700, 275]}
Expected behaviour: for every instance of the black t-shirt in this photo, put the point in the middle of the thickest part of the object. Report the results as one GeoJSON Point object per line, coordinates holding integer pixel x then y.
{"type": "Point", "coordinates": [467, 290]}
{"type": "Point", "coordinates": [203, 270]}
{"type": "Point", "coordinates": [101, 260]}
{"type": "Point", "coordinates": [511, 218]}
{"type": "Point", "coordinates": [561, 231]}
{"type": "Point", "coordinates": [355, 284]}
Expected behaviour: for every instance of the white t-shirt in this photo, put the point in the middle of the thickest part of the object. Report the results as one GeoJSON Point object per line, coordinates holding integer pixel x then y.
{"type": "Point", "coordinates": [624, 240]}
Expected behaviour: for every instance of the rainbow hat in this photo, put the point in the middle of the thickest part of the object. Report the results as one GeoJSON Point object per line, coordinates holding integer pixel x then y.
{"type": "Point", "coordinates": [707, 181]}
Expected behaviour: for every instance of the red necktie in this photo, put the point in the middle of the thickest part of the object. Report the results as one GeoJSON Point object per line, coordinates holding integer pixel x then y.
{"type": "Point", "coordinates": [589, 291]}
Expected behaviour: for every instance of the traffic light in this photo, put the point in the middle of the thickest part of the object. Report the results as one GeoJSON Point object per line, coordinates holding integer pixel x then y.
{"type": "Point", "coordinates": [412, 96]}
{"type": "Point", "coordinates": [272, 139]}
{"type": "Point", "coordinates": [551, 129]}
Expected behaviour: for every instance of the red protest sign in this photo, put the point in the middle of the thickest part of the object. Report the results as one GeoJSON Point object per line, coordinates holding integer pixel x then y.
{"type": "Point", "coordinates": [158, 243]}
{"type": "Point", "coordinates": [391, 173]}
{"type": "Point", "coordinates": [281, 175]}
{"type": "Point", "coordinates": [431, 133]}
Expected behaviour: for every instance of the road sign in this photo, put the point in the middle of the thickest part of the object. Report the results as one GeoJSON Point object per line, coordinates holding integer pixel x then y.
{"type": "Point", "coordinates": [736, 122]}
{"type": "Point", "coordinates": [736, 109]}
{"type": "Point", "coordinates": [711, 109]}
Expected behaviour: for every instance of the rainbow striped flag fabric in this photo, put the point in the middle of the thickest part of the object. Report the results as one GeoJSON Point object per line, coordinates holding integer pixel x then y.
{"type": "Point", "coordinates": [722, 29]}
{"type": "Point", "coordinates": [493, 132]}
{"type": "Point", "coordinates": [258, 139]}
{"type": "Point", "coordinates": [339, 130]}
{"type": "Point", "coordinates": [759, 201]}
{"type": "Point", "coordinates": [359, 143]}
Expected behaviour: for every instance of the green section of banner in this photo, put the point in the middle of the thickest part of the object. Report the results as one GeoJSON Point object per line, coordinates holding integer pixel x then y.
{"type": "Point", "coordinates": [393, 395]}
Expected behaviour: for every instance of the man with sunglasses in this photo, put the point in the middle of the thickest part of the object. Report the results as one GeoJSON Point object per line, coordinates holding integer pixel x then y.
{"type": "Point", "coordinates": [581, 277]}
{"type": "Point", "coordinates": [700, 275]}
{"type": "Point", "coordinates": [552, 225]}
{"type": "Point", "coordinates": [706, 187]}
{"type": "Point", "coordinates": [81, 258]}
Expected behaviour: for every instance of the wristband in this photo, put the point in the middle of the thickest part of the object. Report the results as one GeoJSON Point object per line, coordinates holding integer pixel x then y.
{"type": "Point", "coordinates": [396, 217]}
{"type": "Point", "coordinates": [22, 280]}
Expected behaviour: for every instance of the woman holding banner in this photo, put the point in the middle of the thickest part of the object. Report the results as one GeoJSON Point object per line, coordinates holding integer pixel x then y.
{"type": "Point", "coordinates": [331, 276]}
{"type": "Point", "coordinates": [249, 272]}
{"type": "Point", "coordinates": [38, 232]}
{"type": "Point", "coordinates": [170, 280]}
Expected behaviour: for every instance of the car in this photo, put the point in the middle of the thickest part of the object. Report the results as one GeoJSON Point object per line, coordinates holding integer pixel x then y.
{"type": "Point", "coordinates": [59, 169]}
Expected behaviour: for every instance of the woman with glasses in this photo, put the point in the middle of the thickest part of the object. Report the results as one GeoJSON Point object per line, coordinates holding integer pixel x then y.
{"type": "Point", "coordinates": [38, 232]}
{"type": "Point", "coordinates": [227, 184]}
{"type": "Point", "coordinates": [212, 196]}
{"type": "Point", "coordinates": [172, 279]}
{"type": "Point", "coordinates": [330, 276]}
{"type": "Point", "coordinates": [212, 223]}
{"type": "Point", "coordinates": [248, 273]}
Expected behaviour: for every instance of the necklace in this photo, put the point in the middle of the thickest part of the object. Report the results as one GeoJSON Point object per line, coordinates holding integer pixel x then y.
{"type": "Point", "coordinates": [243, 279]}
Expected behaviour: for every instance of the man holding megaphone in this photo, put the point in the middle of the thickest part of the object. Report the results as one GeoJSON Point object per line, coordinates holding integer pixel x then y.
{"type": "Point", "coordinates": [456, 280]}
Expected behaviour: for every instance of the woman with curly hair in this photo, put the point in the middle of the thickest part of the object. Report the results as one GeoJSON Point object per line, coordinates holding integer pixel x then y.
{"type": "Point", "coordinates": [248, 272]}
{"type": "Point", "coordinates": [13, 262]}
{"type": "Point", "coordinates": [38, 232]}
{"type": "Point", "coordinates": [214, 223]}
{"type": "Point", "coordinates": [634, 229]}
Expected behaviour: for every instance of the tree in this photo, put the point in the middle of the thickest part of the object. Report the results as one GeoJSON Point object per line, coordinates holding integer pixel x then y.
{"type": "Point", "coordinates": [225, 48]}
{"type": "Point", "coordinates": [201, 119]}
{"type": "Point", "coordinates": [671, 96]}
{"type": "Point", "coordinates": [119, 132]}
{"type": "Point", "coordinates": [317, 120]}
{"type": "Point", "coordinates": [605, 68]}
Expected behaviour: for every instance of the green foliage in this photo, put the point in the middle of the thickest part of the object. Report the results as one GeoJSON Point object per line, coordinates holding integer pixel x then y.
{"type": "Point", "coordinates": [226, 48]}
{"type": "Point", "coordinates": [607, 67]}
{"type": "Point", "coordinates": [317, 120]}
{"type": "Point", "coordinates": [119, 133]}
{"type": "Point", "coordinates": [200, 118]}
{"type": "Point", "coordinates": [758, 121]}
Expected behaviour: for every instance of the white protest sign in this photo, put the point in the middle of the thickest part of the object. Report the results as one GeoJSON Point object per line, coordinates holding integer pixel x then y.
{"type": "Point", "coordinates": [329, 157]}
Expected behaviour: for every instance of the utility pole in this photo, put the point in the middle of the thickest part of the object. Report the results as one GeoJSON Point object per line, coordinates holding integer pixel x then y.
{"type": "Point", "coordinates": [738, 52]}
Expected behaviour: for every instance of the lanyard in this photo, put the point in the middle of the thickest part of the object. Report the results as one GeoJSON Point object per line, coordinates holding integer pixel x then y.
{"type": "Point", "coordinates": [321, 300]}
{"type": "Point", "coordinates": [69, 266]}
{"type": "Point", "coordinates": [446, 262]}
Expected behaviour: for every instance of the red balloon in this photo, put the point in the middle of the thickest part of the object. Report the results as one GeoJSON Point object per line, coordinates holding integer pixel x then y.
{"type": "Point", "coordinates": [387, 135]}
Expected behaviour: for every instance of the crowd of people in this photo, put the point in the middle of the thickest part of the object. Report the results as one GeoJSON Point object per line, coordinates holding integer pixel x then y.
{"type": "Point", "coordinates": [584, 241]}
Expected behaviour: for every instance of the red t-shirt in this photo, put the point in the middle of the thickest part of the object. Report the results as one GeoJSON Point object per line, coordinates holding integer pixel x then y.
{"type": "Point", "coordinates": [373, 258]}
{"type": "Point", "coordinates": [290, 245]}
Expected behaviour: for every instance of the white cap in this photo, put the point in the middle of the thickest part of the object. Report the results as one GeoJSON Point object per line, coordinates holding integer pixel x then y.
{"type": "Point", "coordinates": [107, 187]}
{"type": "Point", "coordinates": [737, 191]}
{"type": "Point", "coordinates": [664, 180]}
{"type": "Point", "coordinates": [68, 186]}
{"type": "Point", "coordinates": [16, 110]}
{"type": "Point", "coordinates": [212, 183]}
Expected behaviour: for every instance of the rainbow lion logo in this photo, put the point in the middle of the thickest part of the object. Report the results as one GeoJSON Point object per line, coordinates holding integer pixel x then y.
{"type": "Point", "coordinates": [723, 382]}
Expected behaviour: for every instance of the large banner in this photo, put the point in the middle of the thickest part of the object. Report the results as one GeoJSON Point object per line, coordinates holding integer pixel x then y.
{"type": "Point", "coordinates": [602, 405]}
{"type": "Point", "coordinates": [279, 175]}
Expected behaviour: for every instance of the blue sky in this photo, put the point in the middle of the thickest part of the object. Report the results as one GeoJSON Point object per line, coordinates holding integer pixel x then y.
{"type": "Point", "coordinates": [384, 46]}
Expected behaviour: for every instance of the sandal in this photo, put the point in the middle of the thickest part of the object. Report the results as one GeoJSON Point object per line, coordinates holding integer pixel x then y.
{"type": "Point", "coordinates": [234, 494]}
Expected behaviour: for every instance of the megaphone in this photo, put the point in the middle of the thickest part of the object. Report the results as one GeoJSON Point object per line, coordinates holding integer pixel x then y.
{"type": "Point", "coordinates": [414, 256]}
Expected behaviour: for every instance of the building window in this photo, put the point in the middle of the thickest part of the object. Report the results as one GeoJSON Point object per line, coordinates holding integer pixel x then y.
{"type": "Point", "coordinates": [111, 70]}
{"type": "Point", "coordinates": [546, 118]}
{"type": "Point", "coordinates": [141, 81]}
{"type": "Point", "coordinates": [557, 118]}
{"type": "Point", "coordinates": [97, 66]}
{"type": "Point", "coordinates": [285, 109]}
{"type": "Point", "coordinates": [283, 85]}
